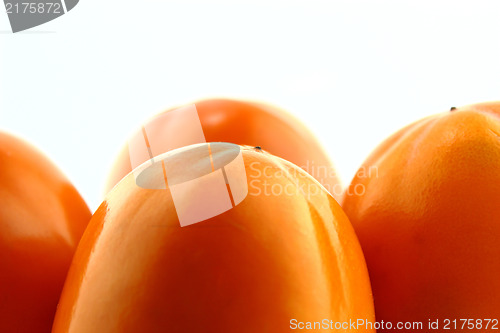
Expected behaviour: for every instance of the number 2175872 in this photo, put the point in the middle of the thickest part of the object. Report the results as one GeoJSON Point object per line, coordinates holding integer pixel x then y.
{"type": "Point", "coordinates": [33, 8]}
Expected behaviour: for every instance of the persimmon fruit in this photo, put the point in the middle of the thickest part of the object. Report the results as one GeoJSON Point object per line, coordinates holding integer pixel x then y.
{"type": "Point", "coordinates": [253, 268]}
{"type": "Point", "coordinates": [429, 219]}
{"type": "Point", "coordinates": [42, 217]}
{"type": "Point", "coordinates": [254, 124]}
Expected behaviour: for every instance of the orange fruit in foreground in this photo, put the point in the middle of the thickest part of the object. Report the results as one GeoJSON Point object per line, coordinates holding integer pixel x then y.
{"type": "Point", "coordinates": [428, 219]}
{"type": "Point", "coordinates": [285, 251]}
{"type": "Point", "coordinates": [254, 124]}
{"type": "Point", "coordinates": [42, 217]}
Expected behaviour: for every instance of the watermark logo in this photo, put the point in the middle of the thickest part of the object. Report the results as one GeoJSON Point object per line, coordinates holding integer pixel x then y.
{"type": "Point", "coordinates": [204, 179]}
{"type": "Point", "coordinates": [26, 14]}
{"type": "Point", "coordinates": [208, 179]}
{"type": "Point", "coordinates": [261, 180]}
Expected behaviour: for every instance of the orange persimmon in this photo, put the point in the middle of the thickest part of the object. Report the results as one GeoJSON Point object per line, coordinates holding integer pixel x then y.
{"type": "Point", "coordinates": [42, 217]}
{"type": "Point", "coordinates": [286, 251]}
{"type": "Point", "coordinates": [428, 219]}
{"type": "Point", "coordinates": [254, 124]}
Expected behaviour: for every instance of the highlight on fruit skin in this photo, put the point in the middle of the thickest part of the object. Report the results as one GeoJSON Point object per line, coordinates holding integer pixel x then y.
{"type": "Point", "coordinates": [429, 218]}
{"type": "Point", "coordinates": [286, 251]}
{"type": "Point", "coordinates": [243, 123]}
{"type": "Point", "coordinates": [42, 217]}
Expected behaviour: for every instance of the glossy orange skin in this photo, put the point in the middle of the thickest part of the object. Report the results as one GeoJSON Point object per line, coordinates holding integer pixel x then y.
{"type": "Point", "coordinates": [255, 124]}
{"type": "Point", "coordinates": [429, 224]}
{"type": "Point", "coordinates": [251, 269]}
{"type": "Point", "coordinates": [42, 217]}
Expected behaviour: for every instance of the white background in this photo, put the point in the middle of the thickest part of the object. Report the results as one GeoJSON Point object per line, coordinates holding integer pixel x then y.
{"type": "Point", "coordinates": [353, 71]}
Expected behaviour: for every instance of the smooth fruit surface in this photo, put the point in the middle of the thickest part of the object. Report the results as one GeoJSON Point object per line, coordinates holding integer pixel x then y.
{"type": "Point", "coordinates": [255, 124]}
{"type": "Point", "coordinates": [42, 217]}
{"type": "Point", "coordinates": [428, 219]}
{"type": "Point", "coordinates": [270, 259]}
